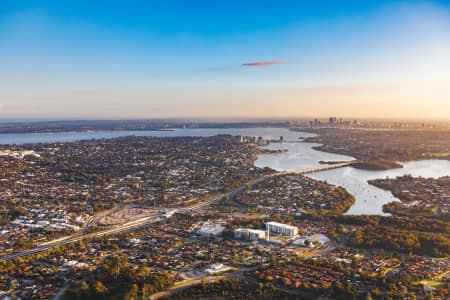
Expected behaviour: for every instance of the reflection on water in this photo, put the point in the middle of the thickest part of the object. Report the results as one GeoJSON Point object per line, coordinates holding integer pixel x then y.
{"type": "Point", "coordinates": [300, 155]}
{"type": "Point", "coordinates": [369, 199]}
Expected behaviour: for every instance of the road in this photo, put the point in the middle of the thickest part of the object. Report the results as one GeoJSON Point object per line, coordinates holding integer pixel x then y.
{"type": "Point", "coordinates": [156, 218]}
{"type": "Point", "coordinates": [76, 238]}
{"type": "Point", "coordinates": [61, 292]}
{"type": "Point", "coordinates": [208, 279]}
{"type": "Point", "coordinates": [94, 219]}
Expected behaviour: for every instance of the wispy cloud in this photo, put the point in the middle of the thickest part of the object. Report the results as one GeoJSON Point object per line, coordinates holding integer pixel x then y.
{"type": "Point", "coordinates": [263, 63]}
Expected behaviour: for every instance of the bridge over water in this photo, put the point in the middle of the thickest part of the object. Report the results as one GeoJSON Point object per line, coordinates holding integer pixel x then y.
{"type": "Point", "coordinates": [317, 169]}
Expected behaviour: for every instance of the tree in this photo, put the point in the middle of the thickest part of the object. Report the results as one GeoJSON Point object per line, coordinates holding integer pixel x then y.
{"type": "Point", "coordinates": [100, 288]}
{"type": "Point", "coordinates": [132, 293]}
{"type": "Point", "coordinates": [84, 289]}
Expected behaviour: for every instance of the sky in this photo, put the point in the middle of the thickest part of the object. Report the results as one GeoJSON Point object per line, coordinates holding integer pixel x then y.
{"type": "Point", "coordinates": [224, 59]}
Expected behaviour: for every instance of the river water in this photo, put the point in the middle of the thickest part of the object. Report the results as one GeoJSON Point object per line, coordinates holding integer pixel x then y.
{"type": "Point", "coordinates": [369, 199]}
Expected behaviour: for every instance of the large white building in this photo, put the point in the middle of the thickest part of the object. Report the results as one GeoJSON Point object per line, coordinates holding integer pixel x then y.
{"type": "Point", "coordinates": [253, 234]}
{"type": "Point", "coordinates": [216, 268]}
{"type": "Point", "coordinates": [282, 229]}
{"type": "Point", "coordinates": [210, 230]}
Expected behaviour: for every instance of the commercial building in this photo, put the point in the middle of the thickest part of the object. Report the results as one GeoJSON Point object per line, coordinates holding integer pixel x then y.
{"type": "Point", "coordinates": [210, 230]}
{"type": "Point", "coordinates": [253, 234]}
{"type": "Point", "coordinates": [312, 241]}
{"type": "Point", "coordinates": [216, 268]}
{"type": "Point", "coordinates": [282, 229]}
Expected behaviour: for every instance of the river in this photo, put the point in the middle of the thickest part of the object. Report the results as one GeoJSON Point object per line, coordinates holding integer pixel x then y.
{"type": "Point", "coordinates": [369, 199]}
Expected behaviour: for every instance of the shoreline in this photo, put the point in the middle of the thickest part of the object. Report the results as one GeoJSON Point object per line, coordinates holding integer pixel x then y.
{"type": "Point", "coordinates": [368, 162]}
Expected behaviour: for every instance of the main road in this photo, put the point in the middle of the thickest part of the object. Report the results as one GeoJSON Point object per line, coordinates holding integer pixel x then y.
{"type": "Point", "coordinates": [76, 238]}
{"type": "Point", "coordinates": [156, 217]}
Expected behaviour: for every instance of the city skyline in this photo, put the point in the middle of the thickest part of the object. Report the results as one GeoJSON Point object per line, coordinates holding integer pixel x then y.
{"type": "Point", "coordinates": [159, 60]}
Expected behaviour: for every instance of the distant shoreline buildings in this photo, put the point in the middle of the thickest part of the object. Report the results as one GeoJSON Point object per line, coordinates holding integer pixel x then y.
{"type": "Point", "coordinates": [258, 140]}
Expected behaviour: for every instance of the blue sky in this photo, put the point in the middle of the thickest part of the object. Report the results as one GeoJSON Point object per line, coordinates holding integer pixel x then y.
{"type": "Point", "coordinates": [126, 59]}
